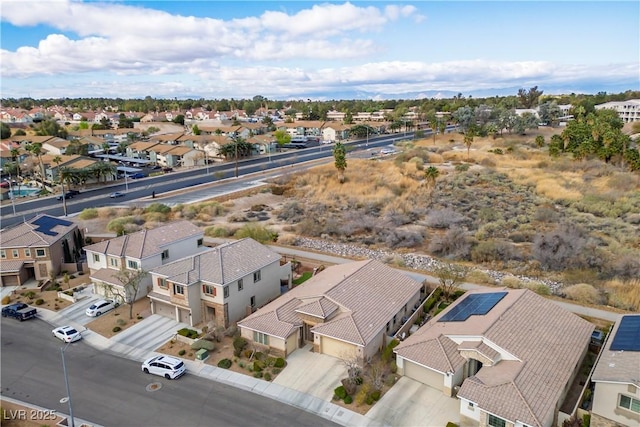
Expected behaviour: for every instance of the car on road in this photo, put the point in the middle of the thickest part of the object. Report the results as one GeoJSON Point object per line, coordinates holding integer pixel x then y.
{"type": "Point", "coordinates": [116, 194]}
{"type": "Point", "coordinates": [167, 169]}
{"type": "Point", "coordinates": [388, 150]}
{"type": "Point", "coordinates": [137, 175]}
{"type": "Point", "coordinates": [101, 306]}
{"type": "Point", "coordinates": [67, 334]}
{"type": "Point", "coordinates": [156, 167]}
{"type": "Point", "coordinates": [164, 366]}
{"type": "Point", "coordinates": [68, 195]}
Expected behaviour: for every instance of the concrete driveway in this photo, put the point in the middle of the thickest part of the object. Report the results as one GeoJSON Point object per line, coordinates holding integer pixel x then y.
{"type": "Point", "coordinates": [412, 404]}
{"type": "Point", "coordinates": [312, 373]}
{"type": "Point", "coordinates": [76, 311]}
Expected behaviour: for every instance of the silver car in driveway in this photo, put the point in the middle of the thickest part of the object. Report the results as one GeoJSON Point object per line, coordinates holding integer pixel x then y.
{"type": "Point", "coordinates": [100, 306]}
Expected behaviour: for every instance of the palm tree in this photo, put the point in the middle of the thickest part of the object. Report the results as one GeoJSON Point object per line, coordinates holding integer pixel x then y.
{"type": "Point", "coordinates": [468, 140]}
{"type": "Point", "coordinates": [67, 175]}
{"type": "Point", "coordinates": [36, 151]}
{"type": "Point", "coordinates": [57, 160]}
{"type": "Point", "coordinates": [15, 153]}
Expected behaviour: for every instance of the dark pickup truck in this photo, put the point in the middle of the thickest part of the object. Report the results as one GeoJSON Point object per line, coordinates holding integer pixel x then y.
{"type": "Point", "coordinates": [19, 311]}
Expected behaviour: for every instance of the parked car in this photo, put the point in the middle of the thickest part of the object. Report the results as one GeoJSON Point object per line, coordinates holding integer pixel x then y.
{"type": "Point", "coordinates": [101, 306]}
{"type": "Point", "coordinates": [19, 311]}
{"type": "Point", "coordinates": [116, 194]}
{"type": "Point", "coordinates": [69, 194]}
{"type": "Point", "coordinates": [137, 175]}
{"type": "Point", "coordinates": [167, 169]}
{"type": "Point", "coordinates": [164, 366]}
{"type": "Point", "coordinates": [156, 167]}
{"type": "Point", "coordinates": [67, 334]}
{"type": "Point", "coordinates": [388, 150]}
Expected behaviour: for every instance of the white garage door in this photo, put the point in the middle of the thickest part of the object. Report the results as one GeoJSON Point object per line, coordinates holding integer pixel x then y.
{"type": "Point", "coordinates": [337, 348]}
{"type": "Point", "coordinates": [166, 310]}
{"type": "Point", "coordinates": [424, 375]}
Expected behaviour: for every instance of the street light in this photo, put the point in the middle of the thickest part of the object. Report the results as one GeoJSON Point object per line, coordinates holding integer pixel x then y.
{"type": "Point", "coordinates": [236, 144]}
{"type": "Point", "coordinates": [11, 196]}
{"type": "Point", "coordinates": [66, 383]}
{"type": "Point", "coordinates": [126, 183]}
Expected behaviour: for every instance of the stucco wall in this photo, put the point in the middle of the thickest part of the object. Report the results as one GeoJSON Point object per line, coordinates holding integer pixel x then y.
{"type": "Point", "coordinates": [606, 397]}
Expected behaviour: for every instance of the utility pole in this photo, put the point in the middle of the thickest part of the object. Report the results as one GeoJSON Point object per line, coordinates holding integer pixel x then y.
{"type": "Point", "coordinates": [235, 140]}
{"type": "Point", "coordinates": [13, 196]}
{"type": "Point", "coordinates": [66, 383]}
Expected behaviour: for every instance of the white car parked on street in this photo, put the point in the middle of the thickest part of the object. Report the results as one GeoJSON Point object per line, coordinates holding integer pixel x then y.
{"type": "Point", "coordinates": [164, 366]}
{"type": "Point", "coordinates": [67, 334]}
{"type": "Point", "coordinates": [101, 306]}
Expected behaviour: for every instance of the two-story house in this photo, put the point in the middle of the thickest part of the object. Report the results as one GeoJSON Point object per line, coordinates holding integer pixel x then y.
{"type": "Point", "coordinates": [509, 356]}
{"type": "Point", "coordinates": [346, 311]}
{"type": "Point", "coordinates": [616, 396]}
{"type": "Point", "coordinates": [37, 248]}
{"type": "Point", "coordinates": [223, 284]}
{"type": "Point", "coordinates": [142, 250]}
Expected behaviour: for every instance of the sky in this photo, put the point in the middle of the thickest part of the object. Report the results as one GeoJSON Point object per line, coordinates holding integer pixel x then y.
{"type": "Point", "coordinates": [286, 50]}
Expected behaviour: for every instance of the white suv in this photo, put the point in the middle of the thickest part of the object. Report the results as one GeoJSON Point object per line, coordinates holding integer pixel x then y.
{"type": "Point", "coordinates": [165, 366]}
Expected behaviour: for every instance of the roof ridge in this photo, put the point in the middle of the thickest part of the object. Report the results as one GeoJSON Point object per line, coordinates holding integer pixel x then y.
{"type": "Point", "coordinates": [526, 403]}
{"type": "Point", "coordinates": [356, 326]}
{"type": "Point", "coordinates": [446, 356]}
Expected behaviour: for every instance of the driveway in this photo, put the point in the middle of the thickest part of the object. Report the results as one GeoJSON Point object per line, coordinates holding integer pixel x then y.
{"type": "Point", "coordinates": [76, 312]}
{"type": "Point", "coordinates": [411, 403]}
{"type": "Point", "coordinates": [312, 373]}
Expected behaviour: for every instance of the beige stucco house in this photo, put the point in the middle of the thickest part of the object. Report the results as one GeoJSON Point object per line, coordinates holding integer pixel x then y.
{"type": "Point", "coordinates": [616, 396]}
{"type": "Point", "coordinates": [345, 311]}
{"type": "Point", "coordinates": [142, 250]}
{"type": "Point", "coordinates": [223, 284]}
{"type": "Point", "coordinates": [35, 248]}
{"type": "Point", "coordinates": [509, 356]}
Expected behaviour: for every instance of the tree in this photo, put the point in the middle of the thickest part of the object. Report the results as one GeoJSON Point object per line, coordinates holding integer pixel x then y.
{"type": "Point", "coordinates": [282, 137]}
{"type": "Point", "coordinates": [549, 113]}
{"type": "Point", "coordinates": [36, 151]}
{"type": "Point", "coordinates": [431, 175]}
{"type": "Point", "coordinates": [50, 128]}
{"type": "Point", "coordinates": [179, 119]}
{"type": "Point", "coordinates": [5, 131]}
{"type": "Point", "coordinates": [540, 141]}
{"type": "Point", "coordinates": [340, 156]}
{"type": "Point", "coordinates": [450, 277]}
{"type": "Point", "coordinates": [468, 140]}
{"type": "Point", "coordinates": [465, 117]}
{"type": "Point", "coordinates": [57, 160]}
{"type": "Point", "coordinates": [130, 281]}
{"type": "Point", "coordinates": [196, 130]}
{"type": "Point", "coordinates": [529, 98]}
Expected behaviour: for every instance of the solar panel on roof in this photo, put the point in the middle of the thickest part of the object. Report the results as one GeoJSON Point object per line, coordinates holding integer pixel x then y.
{"type": "Point", "coordinates": [474, 304]}
{"type": "Point", "coordinates": [45, 224]}
{"type": "Point", "coordinates": [627, 337]}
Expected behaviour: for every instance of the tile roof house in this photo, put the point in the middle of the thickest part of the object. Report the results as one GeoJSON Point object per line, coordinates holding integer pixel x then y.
{"type": "Point", "coordinates": [346, 311]}
{"type": "Point", "coordinates": [509, 356]}
{"type": "Point", "coordinates": [142, 250]}
{"type": "Point", "coordinates": [223, 284]}
{"type": "Point", "coordinates": [34, 249]}
{"type": "Point", "coordinates": [616, 396]}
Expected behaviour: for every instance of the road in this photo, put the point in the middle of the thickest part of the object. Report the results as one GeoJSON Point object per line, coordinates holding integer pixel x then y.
{"type": "Point", "coordinates": [111, 391]}
{"type": "Point", "coordinates": [190, 179]}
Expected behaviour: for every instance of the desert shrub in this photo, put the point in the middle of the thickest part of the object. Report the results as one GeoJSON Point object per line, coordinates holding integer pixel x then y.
{"type": "Point", "coordinates": [225, 363]}
{"type": "Point", "coordinates": [462, 167]}
{"type": "Point", "coordinates": [539, 288]}
{"type": "Point", "coordinates": [218, 231]}
{"type": "Point", "coordinates": [492, 250]}
{"type": "Point", "coordinates": [583, 293]}
{"type": "Point", "coordinates": [349, 385]}
{"type": "Point", "coordinates": [488, 163]}
{"type": "Point", "coordinates": [399, 238]}
{"type": "Point", "coordinates": [182, 352]}
{"type": "Point", "coordinates": [116, 329]}
{"type": "Point", "coordinates": [6, 300]}
{"type": "Point", "coordinates": [393, 367]}
{"type": "Point", "coordinates": [455, 244]}
{"type": "Point", "coordinates": [369, 400]}
{"type": "Point", "coordinates": [278, 190]}
{"type": "Point", "coordinates": [257, 375]}
{"type": "Point", "coordinates": [189, 333]}
{"type": "Point", "coordinates": [121, 322]}
{"type": "Point", "coordinates": [480, 277]}
{"type": "Point", "coordinates": [122, 225]}
{"type": "Point", "coordinates": [560, 248]}
{"type": "Point", "coordinates": [291, 212]}
{"type": "Point", "coordinates": [387, 353]}
{"type": "Point", "coordinates": [257, 232]}
{"type": "Point", "coordinates": [341, 392]}
{"type": "Point", "coordinates": [375, 395]}
{"type": "Point", "coordinates": [626, 266]}
{"type": "Point", "coordinates": [348, 400]}
{"type": "Point", "coordinates": [451, 424]}
{"type": "Point", "coordinates": [624, 294]}
{"type": "Point", "coordinates": [158, 207]}
{"type": "Point", "coordinates": [267, 376]}
{"type": "Point", "coordinates": [89, 213]}
{"type": "Point", "coordinates": [511, 282]}
{"type": "Point", "coordinates": [31, 294]}
{"type": "Point", "coordinates": [444, 218]}
{"type": "Point", "coordinates": [239, 344]}
{"type": "Point", "coordinates": [200, 344]}
{"type": "Point", "coordinates": [279, 363]}
{"type": "Point", "coordinates": [362, 394]}
{"type": "Point", "coordinates": [39, 301]}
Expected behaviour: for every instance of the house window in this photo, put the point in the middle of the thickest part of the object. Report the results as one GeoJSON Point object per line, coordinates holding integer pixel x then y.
{"type": "Point", "coordinates": [27, 252]}
{"type": "Point", "coordinates": [629, 403]}
{"type": "Point", "coordinates": [165, 254]}
{"type": "Point", "coordinates": [395, 318]}
{"type": "Point", "coordinates": [261, 338]}
{"type": "Point", "coordinates": [96, 258]}
{"type": "Point", "coordinates": [178, 289]}
{"type": "Point", "coordinates": [14, 253]}
{"type": "Point", "coordinates": [256, 276]}
{"type": "Point", "coordinates": [3, 254]}
{"type": "Point", "coordinates": [240, 285]}
{"type": "Point", "coordinates": [200, 242]}
{"type": "Point", "coordinates": [162, 282]}
{"type": "Point", "coordinates": [209, 290]}
{"type": "Point", "coordinates": [113, 262]}
{"type": "Point", "coordinates": [132, 264]}
{"type": "Point", "coordinates": [496, 422]}
{"type": "Point", "coordinates": [388, 326]}
{"type": "Point", "coordinates": [226, 292]}
{"type": "Point", "coordinates": [40, 253]}
{"type": "Point", "coordinates": [253, 301]}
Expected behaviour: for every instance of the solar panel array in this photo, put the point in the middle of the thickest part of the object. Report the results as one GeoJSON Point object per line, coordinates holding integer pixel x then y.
{"type": "Point", "coordinates": [627, 337]}
{"type": "Point", "coordinates": [45, 224]}
{"type": "Point", "coordinates": [474, 304]}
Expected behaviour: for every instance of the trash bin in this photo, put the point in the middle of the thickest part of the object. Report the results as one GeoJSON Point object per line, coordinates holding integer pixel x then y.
{"type": "Point", "coordinates": [202, 354]}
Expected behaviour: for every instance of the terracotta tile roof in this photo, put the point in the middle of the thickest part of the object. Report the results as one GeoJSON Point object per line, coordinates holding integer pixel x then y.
{"type": "Point", "coordinates": [146, 243]}
{"type": "Point", "coordinates": [545, 339]}
{"type": "Point", "coordinates": [29, 234]}
{"type": "Point", "coordinates": [481, 348]}
{"type": "Point", "coordinates": [321, 308]}
{"type": "Point", "coordinates": [618, 366]}
{"type": "Point", "coordinates": [367, 295]}
{"type": "Point", "coordinates": [220, 265]}
{"type": "Point", "coordinates": [143, 145]}
{"type": "Point", "coordinates": [11, 266]}
{"type": "Point", "coordinates": [107, 275]}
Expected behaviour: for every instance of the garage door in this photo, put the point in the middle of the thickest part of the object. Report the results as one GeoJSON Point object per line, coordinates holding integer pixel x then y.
{"type": "Point", "coordinates": [336, 348]}
{"type": "Point", "coordinates": [10, 281]}
{"type": "Point", "coordinates": [424, 375]}
{"type": "Point", "coordinates": [166, 310]}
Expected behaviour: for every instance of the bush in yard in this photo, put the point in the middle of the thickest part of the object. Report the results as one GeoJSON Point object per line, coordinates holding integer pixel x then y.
{"type": "Point", "coordinates": [6, 300]}
{"type": "Point", "coordinates": [267, 376]}
{"type": "Point", "coordinates": [186, 332]}
{"type": "Point", "coordinates": [239, 344]}
{"type": "Point", "coordinates": [39, 301]}
{"type": "Point", "coordinates": [116, 329]}
{"type": "Point", "coordinates": [348, 400]}
{"type": "Point", "coordinates": [369, 400]}
{"type": "Point", "coordinates": [280, 363]}
{"type": "Point", "coordinates": [225, 363]}
{"type": "Point", "coordinates": [393, 367]}
{"type": "Point", "coordinates": [376, 395]}
{"type": "Point", "coordinates": [341, 392]}
{"type": "Point", "coordinates": [276, 371]}
{"type": "Point", "coordinates": [387, 353]}
{"type": "Point", "coordinates": [200, 344]}
{"type": "Point", "coordinates": [362, 394]}
{"type": "Point", "coordinates": [450, 424]}
{"type": "Point", "coordinates": [182, 352]}
{"type": "Point", "coordinates": [257, 374]}
{"type": "Point", "coordinates": [30, 294]}
{"type": "Point", "coordinates": [349, 385]}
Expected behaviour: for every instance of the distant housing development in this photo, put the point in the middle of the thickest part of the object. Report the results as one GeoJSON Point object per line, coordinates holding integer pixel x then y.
{"type": "Point", "coordinates": [629, 111]}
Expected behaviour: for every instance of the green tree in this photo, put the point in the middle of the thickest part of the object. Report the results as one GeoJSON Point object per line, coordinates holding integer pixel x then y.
{"type": "Point", "coordinates": [5, 131]}
{"type": "Point", "coordinates": [179, 119]}
{"type": "Point", "coordinates": [282, 137]}
{"type": "Point", "coordinates": [50, 128]}
{"type": "Point", "coordinates": [130, 281]}
{"type": "Point", "coordinates": [468, 141]}
{"type": "Point", "coordinates": [19, 132]}
{"type": "Point", "coordinates": [540, 141]}
{"type": "Point", "coordinates": [529, 98]}
{"type": "Point", "coordinates": [196, 130]}
{"type": "Point", "coordinates": [340, 157]}
{"type": "Point", "coordinates": [35, 149]}
{"type": "Point", "coordinates": [450, 277]}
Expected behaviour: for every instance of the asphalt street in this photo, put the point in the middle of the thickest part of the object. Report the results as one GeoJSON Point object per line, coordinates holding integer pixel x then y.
{"type": "Point", "coordinates": [112, 391]}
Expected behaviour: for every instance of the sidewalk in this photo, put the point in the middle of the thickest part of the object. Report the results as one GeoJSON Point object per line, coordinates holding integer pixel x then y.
{"type": "Point", "coordinates": [303, 401]}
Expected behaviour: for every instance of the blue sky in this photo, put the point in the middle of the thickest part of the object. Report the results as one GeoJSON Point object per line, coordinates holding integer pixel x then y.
{"type": "Point", "coordinates": [317, 50]}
